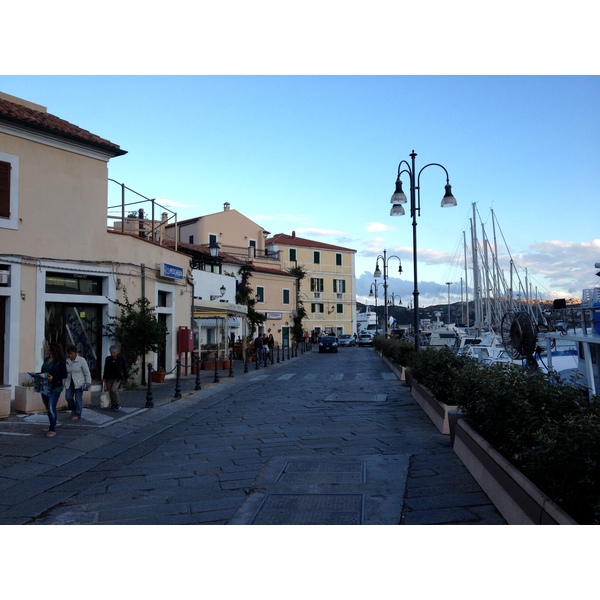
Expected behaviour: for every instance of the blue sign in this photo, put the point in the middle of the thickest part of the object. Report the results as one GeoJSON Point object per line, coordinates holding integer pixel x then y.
{"type": "Point", "coordinates": [171, 271]}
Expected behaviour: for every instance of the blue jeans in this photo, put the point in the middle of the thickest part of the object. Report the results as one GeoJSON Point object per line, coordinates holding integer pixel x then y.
{"type": "Point", "coordinates": [260, 352]}
{"type": "Point", "coordinates": [50, 403]}
{"type": "Point", "coordinates": [74, 398]}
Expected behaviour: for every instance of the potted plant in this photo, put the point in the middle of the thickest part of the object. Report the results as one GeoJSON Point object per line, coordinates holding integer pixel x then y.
{"type": "Point", "coordinates": [159, 375]}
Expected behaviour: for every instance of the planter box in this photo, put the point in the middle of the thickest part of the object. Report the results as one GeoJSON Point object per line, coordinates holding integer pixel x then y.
{"type": "Point", "coordinates": [4, 401]}
{"type": "Point", "coordinates": [28, 402]}
{"type": "Point", "coordinates": [516, 498]}
{"type": "Point", "coordinates": [158, 376]}
{"type": "Point", "coordinates": [402, 373]}
{"type": "Point", "coordinates": [436, 411]}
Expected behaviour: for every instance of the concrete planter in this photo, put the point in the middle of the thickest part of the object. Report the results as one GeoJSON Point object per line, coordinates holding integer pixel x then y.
{"type": "Point", "coordinates": [28, 402]}
{"type": "Point", "coordinates": [4, 401]}
{"type": "Point", "coordinates": [516, 498]}
{"type": "Point", "coordinates": [402, 373]}
{"type": "Point", "coordinates": [437, 411]}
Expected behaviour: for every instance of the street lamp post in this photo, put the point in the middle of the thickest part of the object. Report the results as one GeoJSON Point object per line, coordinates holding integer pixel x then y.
{"type": "Point", "coordinates": [377, 274]}
{"type": "Point", "coordinates": [399, 198]}
{"type": "Point", "coordinates": [374, 286]}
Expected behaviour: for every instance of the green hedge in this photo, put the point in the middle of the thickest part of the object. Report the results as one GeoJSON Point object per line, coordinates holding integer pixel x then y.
{"type": "Point", "coordinates": [545, 427]}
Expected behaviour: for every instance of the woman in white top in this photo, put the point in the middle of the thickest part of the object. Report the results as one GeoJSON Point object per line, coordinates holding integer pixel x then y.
{"type": "Point", "coordinates": [78, 380]}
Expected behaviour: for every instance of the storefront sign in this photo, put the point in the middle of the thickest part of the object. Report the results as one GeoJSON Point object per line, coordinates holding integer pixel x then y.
{"type": "Point", "coordinates": [274, 316]}
{"type": "Point", "coordinates": [171, 271]}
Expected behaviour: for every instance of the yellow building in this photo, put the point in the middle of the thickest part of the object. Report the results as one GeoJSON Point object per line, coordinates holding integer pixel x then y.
{"type": "Point", "coordinates": [328, 290]}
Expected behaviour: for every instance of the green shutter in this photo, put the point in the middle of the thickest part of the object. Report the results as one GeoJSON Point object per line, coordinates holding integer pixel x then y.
{"type": "Point", "coordinates": [5, 189]}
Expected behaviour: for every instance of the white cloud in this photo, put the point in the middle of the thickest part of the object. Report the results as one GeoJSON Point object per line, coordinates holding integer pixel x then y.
{"type": "Point", "coordinates": [375, 227]}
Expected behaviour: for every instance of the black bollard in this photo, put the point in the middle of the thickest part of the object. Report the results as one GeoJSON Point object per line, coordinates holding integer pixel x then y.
{"type": "Point", "coordinates": [256, 360]}
{"type": "Point", "coordinates": [231, 363]}
{"type": "Point", "coordinates": [272, 354]}
{"type": "Point", "coordinates": [246, 360]}
{"type": "Point", "coordinates": [282, 353]}
{"type": "Point", "coordinates": [216, 379]}
{"type": "Point", "coordinates": [149, 398]}
{"type": "Point", "coordinates": [198, 384]}
{"type": "Point", "coordinates": [278, 354]}
{"type": "Point", "coordinates": [177, 382]}
{"type": "Point", "coordinates": [288, 352]}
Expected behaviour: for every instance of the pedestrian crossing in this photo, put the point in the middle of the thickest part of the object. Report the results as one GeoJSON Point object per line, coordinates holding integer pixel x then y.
{"type": "Point", "coordinates": [355, 376]}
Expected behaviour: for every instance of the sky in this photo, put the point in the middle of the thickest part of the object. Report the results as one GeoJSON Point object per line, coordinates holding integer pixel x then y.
{"type": "Point", "coordinates": [298, 115]}
{"type": "Point", "coordinates": [319, 155]}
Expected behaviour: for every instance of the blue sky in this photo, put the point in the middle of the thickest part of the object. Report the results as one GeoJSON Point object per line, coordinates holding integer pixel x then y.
{"type": "Point", "coordinates": [319, 155]}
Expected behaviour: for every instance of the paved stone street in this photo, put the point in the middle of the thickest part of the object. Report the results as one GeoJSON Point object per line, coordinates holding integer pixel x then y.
{"type": "Point", "coordinates": [316, 439]}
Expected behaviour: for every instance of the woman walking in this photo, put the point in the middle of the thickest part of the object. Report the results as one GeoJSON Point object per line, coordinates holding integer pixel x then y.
{"type": "Point", "coordinates": [78, 380]}
{"type": "Point", "coordinates": [55, 369]}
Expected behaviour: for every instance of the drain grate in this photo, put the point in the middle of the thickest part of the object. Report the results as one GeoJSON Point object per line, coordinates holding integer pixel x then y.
{"type": "Point", "coordinates": [323, 472]}
{"type": "Point", "coordinates": [356, 397]}
{"type": "Point", "coordinates": [311, 509]}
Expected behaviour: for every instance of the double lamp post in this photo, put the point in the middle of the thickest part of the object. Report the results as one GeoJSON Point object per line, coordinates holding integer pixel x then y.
{"type": "Point", "coordinates": [398, 199]}
{"type": "Point", "coordinates": [385, 258]}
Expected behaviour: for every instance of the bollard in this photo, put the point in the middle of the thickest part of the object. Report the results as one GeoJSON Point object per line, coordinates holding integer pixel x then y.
{"type": "Point", "coordinates": [272, 354]}
{"type": "Point", "coordinates": [246, 360]}
{"type": "Point", "coordinates": [283, 354]}
{"type": "Point", "coordinates": [198, 384]}
{"type": "Point", "coordinates": [149, 398]}
{"type": "Point", "coordinates": [256, 360]}
{"type": "Point", "coordinates": [216, 379]}
{"type": "Point", "coordinates": [231, 363]}
{"type": "Point", "coordinates": [277, 354]}
{"type": "Point", "coordinates": [288, 352]}
{"type": "Point", "coordinates": [177, 376]}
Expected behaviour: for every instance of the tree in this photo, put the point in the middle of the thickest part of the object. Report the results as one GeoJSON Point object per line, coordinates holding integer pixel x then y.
{"type": "Point", "coordinates": [300, 314]}
{"type": "Point", "coordinates": [244, 295]}
{"type": "Point", "coordinates": [136, 330]}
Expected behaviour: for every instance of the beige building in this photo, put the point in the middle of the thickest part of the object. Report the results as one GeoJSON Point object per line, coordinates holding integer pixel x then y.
{"type": "Point", "coordinates": [328, 290]}
{"type": "Point", "coordinates": [59, 265]}
{"type": "Point", "coordinates": [241, 241]}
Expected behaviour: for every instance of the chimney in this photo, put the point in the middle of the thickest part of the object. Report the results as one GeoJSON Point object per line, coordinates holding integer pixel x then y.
{"type": "Point", "coordinates": [226, 206]}
{"type": "Point", "coordinates": [293, 234]}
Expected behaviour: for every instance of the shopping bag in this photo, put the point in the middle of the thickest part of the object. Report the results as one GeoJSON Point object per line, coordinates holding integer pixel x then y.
{"type": "Point", "coordinates": [104, 400]}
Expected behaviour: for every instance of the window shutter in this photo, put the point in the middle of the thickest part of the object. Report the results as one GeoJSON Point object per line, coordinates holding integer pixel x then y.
{"type": "Point", "coordinates": [5, 189]}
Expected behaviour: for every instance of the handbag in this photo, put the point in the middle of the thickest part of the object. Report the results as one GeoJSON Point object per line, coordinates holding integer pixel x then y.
{"type": "Point", "coordinates": [104, 400]}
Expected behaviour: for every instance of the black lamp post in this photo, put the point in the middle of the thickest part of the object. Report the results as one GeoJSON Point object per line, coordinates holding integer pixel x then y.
{"type": "Point", "coordinates": [374, 286]}
{"type": "Point", "coordinates": [399, 198]}
{"type": "Point", "coordinates": [385, 258]}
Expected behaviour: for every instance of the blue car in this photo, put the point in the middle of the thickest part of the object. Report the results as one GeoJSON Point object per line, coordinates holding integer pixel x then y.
{"type": "Point", "coordinates": [346, 340]}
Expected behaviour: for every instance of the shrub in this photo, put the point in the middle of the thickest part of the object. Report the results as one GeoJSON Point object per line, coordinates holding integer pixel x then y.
{"type": "Point", "coordinates": [397, 350]}
{"type": "Point", "coordinates": [541, 424]}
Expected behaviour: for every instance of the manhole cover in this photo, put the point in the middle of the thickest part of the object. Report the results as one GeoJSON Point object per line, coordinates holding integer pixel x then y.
{"type": "Point", "coordinates": [323, 472]}
{"type": "Point", "coordinates": [356, 397]}
{"type": "Point", "coordinates": [311, 509]}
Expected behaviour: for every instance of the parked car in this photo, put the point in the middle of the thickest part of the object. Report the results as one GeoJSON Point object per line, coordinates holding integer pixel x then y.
{"type": "Point", "coordinates": [346, 340]}
{"type": "Point", "coordinates": [365, 339]}
{"type": "Point", "coordinates": [328, 343]}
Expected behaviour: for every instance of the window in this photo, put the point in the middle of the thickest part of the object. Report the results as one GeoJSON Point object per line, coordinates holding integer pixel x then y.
{"type": "Point", "coordinates": [339, 285]}
{"type": "Point", "coordinates": [5, 169]}
{"type": "Point", "coordinates": [293, 255]}
{"type": "Point", "coordinates": [251, 248]}
{"type": "Point", "coordinates": [9, 191]}
{"type": "Point", "coordinates": [316, 284]}
{"type": "Point", "coordinates": [191, 239]}
{"type": "Point", "coordinates": [340, 308]}
{"type": "Point", "coordinates": [260, 293]}
{"type": "Point", "coordinates": [317, 257]}
{"type": "Point", "coordinates": [316, 307]}
{"type": "Point", "coordinates": [338, 259]}
{"type": "Point", "coordinates": [61, 283]}
{"type": "Point", "coordinates": [286, 296]}
{"type": "Point", "coordinates": [212, 238]}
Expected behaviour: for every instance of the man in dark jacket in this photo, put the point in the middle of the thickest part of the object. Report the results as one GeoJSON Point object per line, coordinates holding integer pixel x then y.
{"type": "Point", "coordinates": [115, 372]}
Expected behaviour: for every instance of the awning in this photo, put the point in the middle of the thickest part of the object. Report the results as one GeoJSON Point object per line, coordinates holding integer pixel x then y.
{"type": "Point", "coordinates": [210, 322]}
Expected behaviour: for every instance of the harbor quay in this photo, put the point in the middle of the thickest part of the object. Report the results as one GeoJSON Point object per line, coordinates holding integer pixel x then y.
{"type": "Point", "coordinates": [315, 439]}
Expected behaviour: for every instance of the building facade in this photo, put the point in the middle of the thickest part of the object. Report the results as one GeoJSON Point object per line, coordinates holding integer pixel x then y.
{"type": "Point", "coordinates": [60, 268]}
{"type": "Point", "coordinates": [328, 291]}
